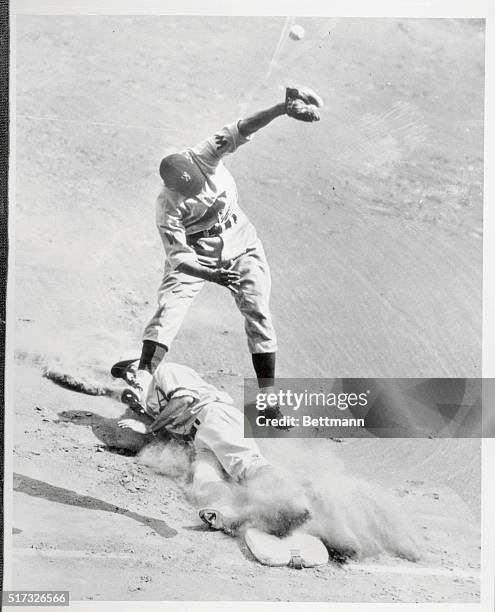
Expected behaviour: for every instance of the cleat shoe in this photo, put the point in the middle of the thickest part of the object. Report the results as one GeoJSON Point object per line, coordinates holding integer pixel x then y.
{"type": "Point", "coordinates": [221, 519]}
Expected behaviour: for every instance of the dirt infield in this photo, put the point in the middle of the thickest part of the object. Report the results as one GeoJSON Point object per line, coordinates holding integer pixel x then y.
{"type": "Point", "coordinates": [372, 223]}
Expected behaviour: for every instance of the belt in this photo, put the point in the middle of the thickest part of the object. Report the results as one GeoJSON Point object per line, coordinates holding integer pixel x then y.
{"type": "Point", "coordinates": [187, 437]}
{"type": "Point", "coordinates": [215, 230]}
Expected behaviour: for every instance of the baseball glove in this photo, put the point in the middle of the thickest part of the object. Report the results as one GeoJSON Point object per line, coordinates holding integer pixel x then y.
{"type": "Point", "coordinates": [303, 104]}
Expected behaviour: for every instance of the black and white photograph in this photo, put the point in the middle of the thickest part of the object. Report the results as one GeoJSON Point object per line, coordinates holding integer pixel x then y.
{"type": "Point", "coordinates": [206, 202]}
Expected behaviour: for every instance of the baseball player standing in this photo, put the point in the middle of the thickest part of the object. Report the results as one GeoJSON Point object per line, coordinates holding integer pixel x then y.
{"type": "Point", "coordinates": [207, 237]}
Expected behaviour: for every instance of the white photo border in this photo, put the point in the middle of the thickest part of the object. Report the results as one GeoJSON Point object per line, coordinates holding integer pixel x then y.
{"type": "Point", "coordinates": [332, 8]}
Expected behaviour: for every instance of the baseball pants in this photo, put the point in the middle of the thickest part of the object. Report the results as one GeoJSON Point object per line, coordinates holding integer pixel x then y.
{"type": "Point", "coordinates": [221, 447]}
{"type": "Point", "coordinates": [178, 290]}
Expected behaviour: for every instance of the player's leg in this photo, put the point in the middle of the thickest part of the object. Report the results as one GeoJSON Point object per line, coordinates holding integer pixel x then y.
{"type": "Point", "coordinates": [175, 295]}
{"type": "Point", "coordinates": [208, 481]}
{"type": "Point", "coordinates": [253, 300]}
{"type": "Point", "coordinates": [221, 430]}
{"type": "Point", "coordinates": [215, 497]}
{"type": "Point", "coordinates": [273, 499]}
{"type": "Point", "coordinates": [221, 449]}
{"type": "Point", "coordinates": [264, 366]}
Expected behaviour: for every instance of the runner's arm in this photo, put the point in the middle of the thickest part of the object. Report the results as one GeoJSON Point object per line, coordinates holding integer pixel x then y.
{"type": "Point", "coordinates": [174, 405]}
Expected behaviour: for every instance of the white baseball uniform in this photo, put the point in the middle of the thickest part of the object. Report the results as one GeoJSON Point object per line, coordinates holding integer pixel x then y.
{"type": "Point", "coordinates": [219, 427]}
{"type": "Point", "coordinates": [183, 224]}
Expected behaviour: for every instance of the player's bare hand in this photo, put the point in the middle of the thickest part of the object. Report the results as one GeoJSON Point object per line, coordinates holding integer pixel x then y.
{"type": "Point", "coordinates": [226, 277]}
{"type": "Point", "coordinates": [136, 426]}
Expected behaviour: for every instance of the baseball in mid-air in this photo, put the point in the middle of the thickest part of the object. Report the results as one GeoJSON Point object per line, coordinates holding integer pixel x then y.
{"type": "Point", "coordinates": [296, 32]}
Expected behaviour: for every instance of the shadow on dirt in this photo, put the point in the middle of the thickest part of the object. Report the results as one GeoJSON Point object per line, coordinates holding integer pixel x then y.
{"type": "Point", "coordinates": [202, 528]}
{"type": "Point", "coordinates": [38, 488]}
{"type": "Point", "coordinates": [122, 441]}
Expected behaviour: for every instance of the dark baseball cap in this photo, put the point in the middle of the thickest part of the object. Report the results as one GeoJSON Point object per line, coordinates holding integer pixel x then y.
{"type": "Point", "coordinates": [181, 174]}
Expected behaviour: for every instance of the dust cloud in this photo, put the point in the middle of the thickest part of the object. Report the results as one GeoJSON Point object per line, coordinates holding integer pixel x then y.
{"type": "Point", "coordinates": [353, 517]}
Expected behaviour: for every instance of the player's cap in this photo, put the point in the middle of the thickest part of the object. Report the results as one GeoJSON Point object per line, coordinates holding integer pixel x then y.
{"type": "Point", "coordinates": [181, 174]}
